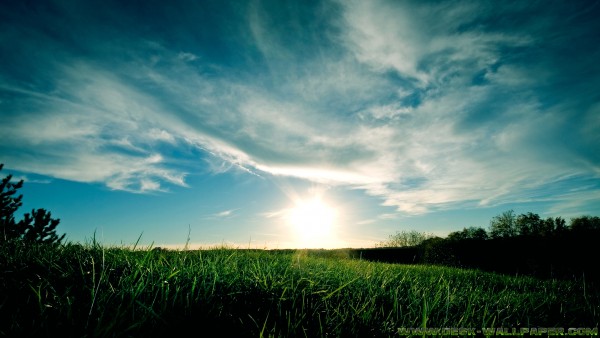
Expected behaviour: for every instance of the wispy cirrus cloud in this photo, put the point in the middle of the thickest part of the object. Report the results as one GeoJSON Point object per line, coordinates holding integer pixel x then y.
{"type": "Point", "coordinates": [92, 129]}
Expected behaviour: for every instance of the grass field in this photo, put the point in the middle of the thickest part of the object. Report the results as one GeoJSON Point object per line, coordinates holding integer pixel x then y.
{"type": "Point", "coordinates": [90, 290]}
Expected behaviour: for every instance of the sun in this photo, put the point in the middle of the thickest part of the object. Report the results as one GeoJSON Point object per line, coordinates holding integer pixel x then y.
{"type": "Point", "coordinates": [312, 222]}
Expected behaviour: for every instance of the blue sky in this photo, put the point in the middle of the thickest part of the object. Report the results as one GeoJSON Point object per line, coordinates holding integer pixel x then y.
{"type": "Point", "coordinates": [157, 118]}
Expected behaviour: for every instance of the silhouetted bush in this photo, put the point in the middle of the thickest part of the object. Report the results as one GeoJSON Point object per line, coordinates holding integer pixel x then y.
{"type": "Point", "coordinates": [404, 239]}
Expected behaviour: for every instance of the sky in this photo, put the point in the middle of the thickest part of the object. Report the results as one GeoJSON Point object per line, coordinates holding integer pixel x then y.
{"type": "Point", "coordinates": [221, 122]}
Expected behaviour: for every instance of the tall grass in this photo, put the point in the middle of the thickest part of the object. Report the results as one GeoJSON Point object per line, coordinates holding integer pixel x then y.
{"type": "Point", "coordinates": [90, 290]}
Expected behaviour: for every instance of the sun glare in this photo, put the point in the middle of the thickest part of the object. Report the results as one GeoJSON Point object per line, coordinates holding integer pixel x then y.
{"type": "Point", "coordinates": [313, 223]}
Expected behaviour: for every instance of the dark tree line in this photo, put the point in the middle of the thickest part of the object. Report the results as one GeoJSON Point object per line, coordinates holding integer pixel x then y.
{"type": "Point", "coordinates": [509, 225]}
{"type": "Point", "coordinates": [524, 244]}
{"type": "Point", "coordinates": [35, 227]}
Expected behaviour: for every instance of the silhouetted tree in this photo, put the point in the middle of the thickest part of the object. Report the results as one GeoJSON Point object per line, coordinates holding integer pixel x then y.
{"type": "Point", "coordinates": [37, 227]}
{"type": "Point", "coordinates": [548, 227]}
{"type": "Point", "coordinates": [503, 225]}
{"type": "Point", "coordinates": [9, 203]}
{"type": "Point", "coordinates": [560, 226]}
{"type": "Point", "coordinates": [529, 224]}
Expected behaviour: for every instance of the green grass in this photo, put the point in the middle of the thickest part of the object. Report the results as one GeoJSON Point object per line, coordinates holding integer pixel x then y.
{"type": "Point", "coordinates": [90, 290]}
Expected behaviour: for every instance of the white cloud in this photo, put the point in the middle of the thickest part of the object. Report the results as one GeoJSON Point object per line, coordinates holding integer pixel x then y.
{"type": "Point", "coordinates": [148, 185]}
{"type": "Point", "coordinates": [276, 214]}
{"type": "Point", "coordinates": [390, 111]}
{"type": "Point", "coordinates": [187, 57]}
{"type": "Point", "coordinates": [161, 135]}
{"type": "Point", "coordinates": [422, 41]}
{"type": "Point", "coordinates": [225, 213]}
{"type": "Point", "coordinates": [26, 179]}
{"type": "Point", "coordinates": [372, 28]}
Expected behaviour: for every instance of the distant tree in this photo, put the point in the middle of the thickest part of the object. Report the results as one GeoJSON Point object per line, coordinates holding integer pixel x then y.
{"type": "Point", "coordinates": [503, 225]}
{"type": "Point", "coordinates": [585, 223]}
{"type": "Point", "coordinates": [457, 235]}
{"type": "Point", "coordinates": [529, 224]}
{"type": "Point", "coordinates": [37, 227]}
{"type": "Point", "coordinates": [548, 227]}
{"type": "Point", "coordinates": [560, 225]}
{"type": "Point", "coordinates": [523, 226]}
{"type": "Point", "coordinates": [405, 238]}
{"type": "Point", "coordinates": [468, 233]}
{"type": "Point", "coordinates": [478, 233]}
